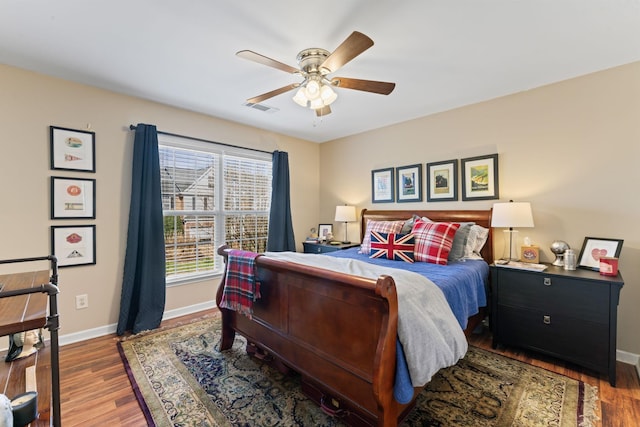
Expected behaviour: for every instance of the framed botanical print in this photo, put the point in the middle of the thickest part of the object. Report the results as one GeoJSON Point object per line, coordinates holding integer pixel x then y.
{"type": "Point", "coordinates": [442, 181]}
{"type": "Point", "coordinates": [382, 185]}
{"type": "Point", "coordinates": [409, 183]}
{"type": "Point", "coordinates": [480, 178]}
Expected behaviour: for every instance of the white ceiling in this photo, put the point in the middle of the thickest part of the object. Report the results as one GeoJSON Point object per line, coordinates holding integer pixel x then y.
{"type": "Point", "coordinates": [441, 54]}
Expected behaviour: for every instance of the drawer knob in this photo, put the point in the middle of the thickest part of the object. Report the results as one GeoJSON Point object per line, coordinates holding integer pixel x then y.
{"type": "Point", "coordinates": [547, 281]}
{"type": "Point", "coordinates": [546, 320]}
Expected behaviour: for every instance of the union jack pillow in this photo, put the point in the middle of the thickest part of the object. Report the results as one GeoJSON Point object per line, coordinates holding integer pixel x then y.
{"type": "Point", "coordinates": [397, 247]}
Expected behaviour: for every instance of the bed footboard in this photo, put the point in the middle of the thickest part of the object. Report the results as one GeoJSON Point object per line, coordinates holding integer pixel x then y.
{"type": "Point", "coordinates": [338, 331]}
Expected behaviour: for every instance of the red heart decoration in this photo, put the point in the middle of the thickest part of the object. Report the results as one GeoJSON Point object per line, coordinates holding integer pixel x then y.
{"type": "Point", "coordinates": [597, 253]}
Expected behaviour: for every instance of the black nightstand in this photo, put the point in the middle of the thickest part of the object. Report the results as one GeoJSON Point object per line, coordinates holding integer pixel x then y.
{"type": "Point", "coordinates": [571, 315]}
{"type": "Point", "coordinates": [318, 248]}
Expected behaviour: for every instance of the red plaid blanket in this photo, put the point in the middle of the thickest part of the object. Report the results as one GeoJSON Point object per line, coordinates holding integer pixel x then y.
{"type": "Point", "coordinates": [241, 288]}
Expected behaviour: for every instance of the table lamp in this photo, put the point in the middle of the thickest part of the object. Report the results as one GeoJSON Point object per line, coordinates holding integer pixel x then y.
{"type": "Point", "coordinates": [345, 214]}
{"type": "Point", "coordinates": [510, 215]}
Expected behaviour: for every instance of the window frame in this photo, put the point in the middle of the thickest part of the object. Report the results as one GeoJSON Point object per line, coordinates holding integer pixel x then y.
{"type": "Point", "coordinates": [219, 214]}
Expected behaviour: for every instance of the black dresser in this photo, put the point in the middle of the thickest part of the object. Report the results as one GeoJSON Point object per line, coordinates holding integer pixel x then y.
{"type": "Point", "coordinates": [571, 315]}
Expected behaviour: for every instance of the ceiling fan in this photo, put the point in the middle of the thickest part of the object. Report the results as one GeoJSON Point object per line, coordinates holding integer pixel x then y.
{"type": "Point", "coordinates": [315, 65]}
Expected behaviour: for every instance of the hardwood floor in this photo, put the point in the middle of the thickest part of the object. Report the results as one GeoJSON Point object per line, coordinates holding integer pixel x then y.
{"type": "Point", "coordinates": [96, 390]}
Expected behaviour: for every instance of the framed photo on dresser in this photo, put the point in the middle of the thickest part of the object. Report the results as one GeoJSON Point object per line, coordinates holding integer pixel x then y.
{"type": "Point", "coordinates": [594, 248]}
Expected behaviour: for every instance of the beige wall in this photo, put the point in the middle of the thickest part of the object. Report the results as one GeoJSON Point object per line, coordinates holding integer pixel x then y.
{"type": "Point", "coordinates": [30, 103]}
{"type": "Point", "coordinates": [571, 149]}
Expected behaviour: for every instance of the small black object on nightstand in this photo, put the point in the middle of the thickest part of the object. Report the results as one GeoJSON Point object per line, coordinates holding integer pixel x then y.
{"type": "Point", "coordinates": [318, 248]}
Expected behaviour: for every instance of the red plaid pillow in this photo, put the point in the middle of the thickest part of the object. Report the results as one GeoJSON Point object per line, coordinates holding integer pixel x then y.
{"type": "Point", "coordinates": [381, 227]}
{"type": "Point", "coordinates": [433, 240]}
{"type": "Point", "coordinates": [397, 247]}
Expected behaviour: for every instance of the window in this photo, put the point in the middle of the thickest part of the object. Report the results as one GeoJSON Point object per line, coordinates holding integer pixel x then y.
{"type": "Point", "coordinates": [212, 194]}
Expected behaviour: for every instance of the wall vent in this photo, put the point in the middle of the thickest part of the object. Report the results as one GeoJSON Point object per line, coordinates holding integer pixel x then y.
{"type": "Point", "coordinates": [262, 107]}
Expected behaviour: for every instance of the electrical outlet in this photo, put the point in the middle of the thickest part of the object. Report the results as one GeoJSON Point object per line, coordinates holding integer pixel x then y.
{"type": "Point", "coordinates": [82, 301]}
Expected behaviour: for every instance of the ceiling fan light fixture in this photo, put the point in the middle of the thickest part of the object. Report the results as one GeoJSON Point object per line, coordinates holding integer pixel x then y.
{"type": "Point", "coordinates": [312, 90]}
{"type": "Point", "coordinates": [300, 98]}
{"type": "Point", "coordinates": [327, 94]}
{"type": "Point", "coordinates": [317, 90]}
{"type": "Point", "coordinates": [316, 103]}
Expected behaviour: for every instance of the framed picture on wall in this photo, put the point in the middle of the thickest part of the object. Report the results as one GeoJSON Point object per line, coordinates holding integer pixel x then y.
{"type": "Point", "coordinates": [74, 244]}
{"type": "Point", "coordinates": [72, 150]}
{"type": "Point", "coordinates": [409, 183]}
{"type": "Point", "coordinates": [382, 185]}
{"type": "Point", "coordinates": [73, 198]}
{"type": "Point", "coordinates": [480, 178]}
{"type": "Point", "coordinates": [442, 181]}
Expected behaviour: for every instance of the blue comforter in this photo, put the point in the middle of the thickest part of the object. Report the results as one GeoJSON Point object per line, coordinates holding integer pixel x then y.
{"type": "Point", "coordinates": [463, 284]}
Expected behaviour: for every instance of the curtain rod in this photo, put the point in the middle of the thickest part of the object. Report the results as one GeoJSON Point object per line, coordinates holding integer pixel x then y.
{"type": "Point", "coordinates": [133, 127]}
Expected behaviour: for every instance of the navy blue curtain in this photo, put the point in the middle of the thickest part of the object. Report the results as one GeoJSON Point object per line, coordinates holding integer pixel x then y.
{"type": "Point", "coordinates": [280, 237]}
{"type": "Point", "coordinates": [143, 285]}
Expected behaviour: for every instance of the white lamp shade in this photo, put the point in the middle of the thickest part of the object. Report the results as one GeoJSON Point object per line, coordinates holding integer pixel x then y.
{"type": "Point", "coordinates": [512, 214]}
{"type": "Point", "coordinates": [345, 213]}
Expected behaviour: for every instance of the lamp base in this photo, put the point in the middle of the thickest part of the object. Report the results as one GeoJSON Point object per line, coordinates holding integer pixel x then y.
{"type": "Point", "coordinates": [510, 252]}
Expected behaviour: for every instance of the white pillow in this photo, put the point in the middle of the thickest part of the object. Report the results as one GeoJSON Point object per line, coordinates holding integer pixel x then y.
{"type": "Point", "coordinates": [476, 239]}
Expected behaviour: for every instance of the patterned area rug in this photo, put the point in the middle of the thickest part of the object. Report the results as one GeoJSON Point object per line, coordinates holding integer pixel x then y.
{"type": "Point", "coordinates": [180, 379]}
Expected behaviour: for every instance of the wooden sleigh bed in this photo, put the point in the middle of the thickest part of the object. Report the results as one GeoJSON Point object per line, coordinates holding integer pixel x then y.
{"type": "Point", "coordinates": [338, 331]}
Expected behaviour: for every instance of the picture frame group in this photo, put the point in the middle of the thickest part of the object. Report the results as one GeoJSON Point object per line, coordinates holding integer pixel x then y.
{"type": "Point", "coordinates": [73, 197]}
{"type": "Point", "coordinates": [478, 176]}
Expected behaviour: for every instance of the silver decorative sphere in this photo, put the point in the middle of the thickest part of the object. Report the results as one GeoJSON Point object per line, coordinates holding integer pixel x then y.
{"type": "Point", "coordinates": [559, 247]}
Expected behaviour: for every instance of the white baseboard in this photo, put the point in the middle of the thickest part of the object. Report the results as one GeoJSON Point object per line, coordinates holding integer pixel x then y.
{"type": "Point", "coordinates": [630, 358]}
{"type": "Point", "coordinates": [111, 329]}
{"type": "Point", "coordinates": [207, 305]}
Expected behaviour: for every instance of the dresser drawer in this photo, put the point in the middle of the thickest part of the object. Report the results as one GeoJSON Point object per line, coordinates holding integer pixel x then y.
{"type": "Point", "coordinates": [319, 249]}
{"type": "Point", "coordinates": [582, 342]}
{"type": "Point", "coordinates": [579, 299]}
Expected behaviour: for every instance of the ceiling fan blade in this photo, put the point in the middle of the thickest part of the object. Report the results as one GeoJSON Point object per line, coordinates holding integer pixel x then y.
{"type": "Point", "coordinates": [261, 59]}
{"type": "Point", "coordinates": [383, 88]}
{"type": "Point", "coordinates": [258, 99]}
{"type": "Point", "coordinates": [323, 111]}
{"type": "Point", "coordinates": [353, 46]}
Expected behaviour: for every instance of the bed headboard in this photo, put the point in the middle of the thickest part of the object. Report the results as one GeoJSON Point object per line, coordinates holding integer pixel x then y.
{"type": "Point", "coordinates": [482, 218]}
